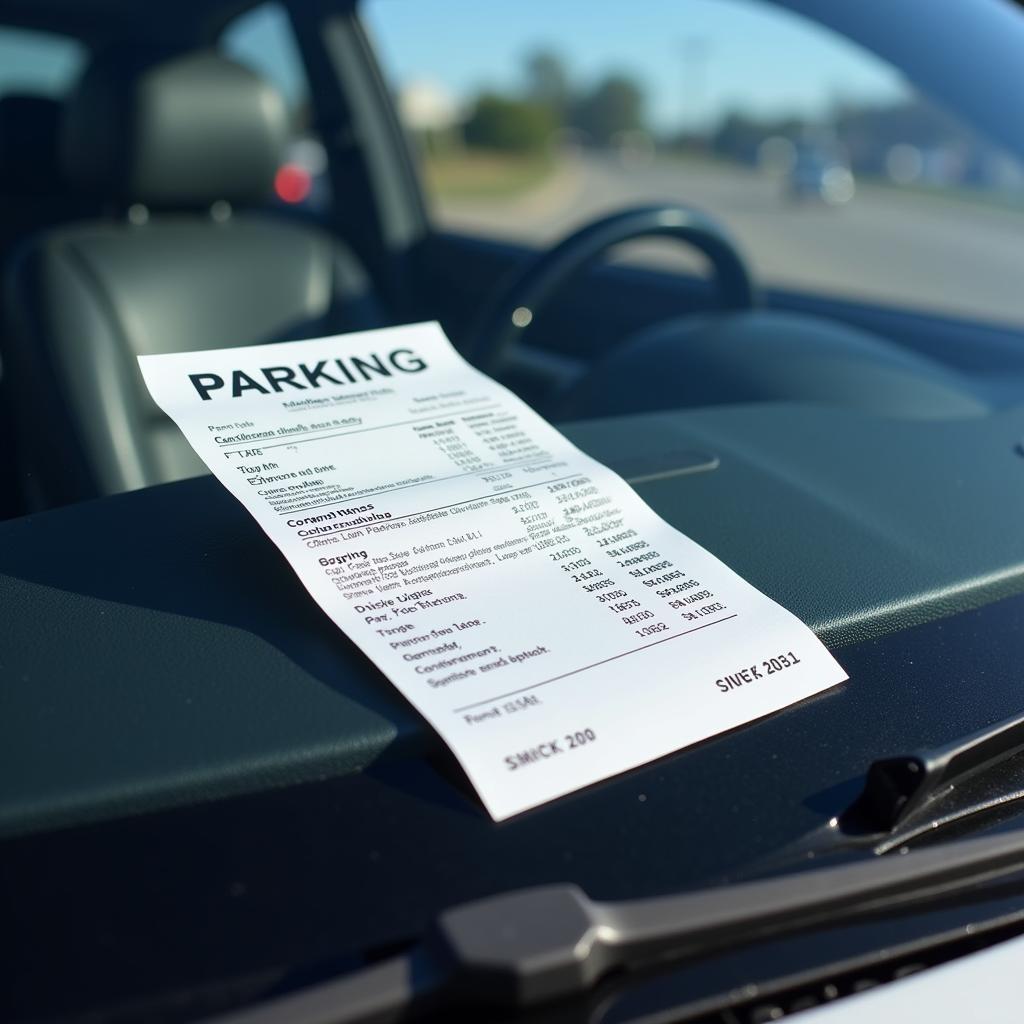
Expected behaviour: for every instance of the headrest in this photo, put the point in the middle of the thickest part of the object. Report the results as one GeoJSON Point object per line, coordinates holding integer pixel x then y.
{"type": "Point", "coordinates": [28, 145]}
{"type": "Point", "coordinates": [180, 131]}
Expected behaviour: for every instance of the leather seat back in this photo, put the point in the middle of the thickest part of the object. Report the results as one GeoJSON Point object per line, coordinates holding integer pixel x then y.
{"type": "Point", "coordinates": [179, 143]}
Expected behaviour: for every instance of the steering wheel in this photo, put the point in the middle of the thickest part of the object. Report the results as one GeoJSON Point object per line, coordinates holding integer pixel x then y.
{"type": "Point", "coordinates": [518, 304]}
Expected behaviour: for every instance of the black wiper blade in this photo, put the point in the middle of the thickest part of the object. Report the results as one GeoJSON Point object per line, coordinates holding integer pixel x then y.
{"type": "Point", "coordinates": [526, 947]}
{"type": "Point", "coordinates": [904, 790]}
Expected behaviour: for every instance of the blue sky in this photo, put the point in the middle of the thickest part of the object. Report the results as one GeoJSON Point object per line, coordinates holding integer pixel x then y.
{"type": "Point", "coordinates": [694, 57]}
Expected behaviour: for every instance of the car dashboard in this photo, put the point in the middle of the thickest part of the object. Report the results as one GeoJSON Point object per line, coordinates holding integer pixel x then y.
{"type": "Point", "coordinates": [187, 738]}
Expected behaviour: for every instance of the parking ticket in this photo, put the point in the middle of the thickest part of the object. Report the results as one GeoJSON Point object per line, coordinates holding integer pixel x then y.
{"type": "Point", "coordinates": [544, 620]}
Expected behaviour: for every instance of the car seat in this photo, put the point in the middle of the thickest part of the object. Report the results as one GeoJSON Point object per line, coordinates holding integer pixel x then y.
{"type": "Point", "coordinates": [183, 147]}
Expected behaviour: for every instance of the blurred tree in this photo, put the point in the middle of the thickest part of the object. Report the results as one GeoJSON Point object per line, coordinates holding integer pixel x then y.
{"type": "Point", "coordinates": [547, 82]}
{"type": "Point", "coordinates": [614, 105]}
{"type": "Point", "coordinates": [511, 125]}
{"type": "Point", "coordinates": [870, 131]}
{"type": "Point", "coordinates": [864, 132]}
{"type": "Point", "coordinates": [739, 135]}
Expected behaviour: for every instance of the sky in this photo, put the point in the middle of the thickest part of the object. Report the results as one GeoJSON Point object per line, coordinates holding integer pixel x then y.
{"type": "Point", "coordinates": [695, 58]}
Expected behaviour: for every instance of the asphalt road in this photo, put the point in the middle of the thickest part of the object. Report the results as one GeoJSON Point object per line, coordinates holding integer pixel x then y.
{"type": "Point", "coordinates": [893, 246]}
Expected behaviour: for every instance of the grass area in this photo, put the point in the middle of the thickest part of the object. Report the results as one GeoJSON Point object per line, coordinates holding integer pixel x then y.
{"type": "Point", "coordinates": [477, 174]}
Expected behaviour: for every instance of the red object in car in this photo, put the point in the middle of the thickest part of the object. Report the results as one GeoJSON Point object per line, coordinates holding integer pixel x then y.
{"type": "Point", "coordinates": [292, 183]}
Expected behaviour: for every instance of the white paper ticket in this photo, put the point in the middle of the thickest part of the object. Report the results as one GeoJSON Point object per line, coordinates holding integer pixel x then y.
{"type": "Point", "coordinates": [520, 595]}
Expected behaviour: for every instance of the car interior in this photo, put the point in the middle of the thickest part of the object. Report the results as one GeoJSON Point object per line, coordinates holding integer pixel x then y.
{"type": "Point", "coordinates": [829, 450]}
{"type": "Point", "coordinates": [87, 298]}
{"type": "Point", "coordinates": [142, 228]}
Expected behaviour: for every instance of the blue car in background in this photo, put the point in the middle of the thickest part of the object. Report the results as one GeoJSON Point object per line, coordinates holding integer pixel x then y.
{"type": "Point", "coordinates": [819, 175]}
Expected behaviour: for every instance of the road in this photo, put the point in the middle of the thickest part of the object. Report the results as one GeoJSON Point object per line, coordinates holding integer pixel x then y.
{"type": "Point", "coordinates": [898, 247]}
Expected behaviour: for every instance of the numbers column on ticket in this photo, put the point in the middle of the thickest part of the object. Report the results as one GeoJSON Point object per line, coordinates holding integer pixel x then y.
{"type": "Point", "coordinates": [526, 514]}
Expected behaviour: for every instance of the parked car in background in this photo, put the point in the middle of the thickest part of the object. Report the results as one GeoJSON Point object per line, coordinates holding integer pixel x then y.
{"type": "Point", "coordinates": [819, 175]}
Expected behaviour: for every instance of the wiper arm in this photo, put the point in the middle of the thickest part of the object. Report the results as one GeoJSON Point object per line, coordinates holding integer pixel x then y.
{"type": "Point", "coordinates": [911, 793]}
{"type": "Point", "coordinates": [526, 947]}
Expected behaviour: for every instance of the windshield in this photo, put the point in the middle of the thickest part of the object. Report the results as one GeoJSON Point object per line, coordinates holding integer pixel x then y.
{"type": "Point", "coordinates": [834, 174]}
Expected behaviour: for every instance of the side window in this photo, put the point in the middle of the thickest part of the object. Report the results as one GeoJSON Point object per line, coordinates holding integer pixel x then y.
{"type": "Point", "coordinates": [832, 172]}
{"type": "Point", "coordinates": [38, 63]}
{"type": "Point", "coordinates": [263, 40]}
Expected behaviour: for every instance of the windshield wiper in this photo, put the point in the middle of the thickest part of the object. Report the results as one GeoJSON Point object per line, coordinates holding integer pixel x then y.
{"type": "Point", "coordinates": [906, 795]}
{"type": "Point", "coordinates": [526, 947]}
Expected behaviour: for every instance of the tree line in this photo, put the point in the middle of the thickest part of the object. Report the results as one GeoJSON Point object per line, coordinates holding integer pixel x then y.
{"type": "Point", "coordinates": [550, 104]}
